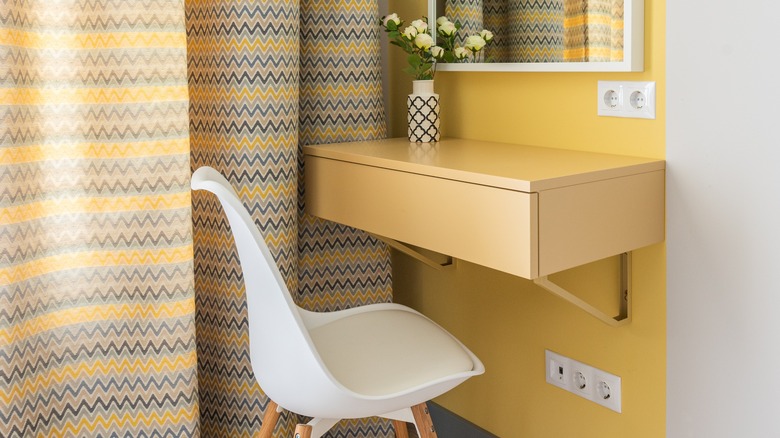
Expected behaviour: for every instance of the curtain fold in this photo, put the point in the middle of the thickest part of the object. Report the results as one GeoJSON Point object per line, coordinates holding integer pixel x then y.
{"type": "Point", "coordinates": [97, 334]}
{"type": "Point", "coordinates": [470, 15]}
{"type": "Point", "coordinates": [243, 82]}
{"type": "Point", "coordinates": [97, 306]}
{"type": "Point", "coordinates": [535, 30]}
{"type": "Point", "coordinates": [594, 30]}
{"type": "Point", "coordinates": [340, 101]}
{"type": "Point", "coordinates": [265, 79]}
{"type": "Point", "coordinates": [496, 20]}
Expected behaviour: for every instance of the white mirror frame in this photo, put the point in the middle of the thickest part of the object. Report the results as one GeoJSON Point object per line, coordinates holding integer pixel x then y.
{"type": "Point", "coordinates": [633, 50]}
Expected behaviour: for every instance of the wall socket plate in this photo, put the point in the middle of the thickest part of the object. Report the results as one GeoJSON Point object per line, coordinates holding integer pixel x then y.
{"type": "Point", "coordinates": [583, 380]}
{"type": "Point", "coordinates": [626, 99]}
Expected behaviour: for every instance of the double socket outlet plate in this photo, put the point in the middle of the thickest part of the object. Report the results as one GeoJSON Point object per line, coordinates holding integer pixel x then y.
{"type": "Point", "coordinates": [626, 99]}
{"type": "Point", "coordinates": [583, 380]}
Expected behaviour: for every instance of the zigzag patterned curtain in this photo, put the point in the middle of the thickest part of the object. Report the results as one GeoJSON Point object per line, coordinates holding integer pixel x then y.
{"type": "Point", "coordinates": [594, 30]}
{"type": "Point", "coordinates": [97, 334]}
{"type": "Point", "coordinates": [266, 78]}
{"type": "Point", "coordinates": [545, 30]}
{"type": "Point", "coordinates": [469, 13]}
{"type": "Point", "coordinates": [525, 30]}
{"type": "Point", "coordinates": [535, 30]}
{"type": "Point", "coordinates": [243, 68]}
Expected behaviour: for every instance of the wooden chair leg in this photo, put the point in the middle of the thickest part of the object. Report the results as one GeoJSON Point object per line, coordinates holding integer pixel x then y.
{"type": "Point", "coordinates": [400, 429]}
{"type": "Point", "coordinates": [303, 431]}
{"type": "Point", "coordinates": [270, 419]}
{"type": "Point", "coordinates": [423, 419]}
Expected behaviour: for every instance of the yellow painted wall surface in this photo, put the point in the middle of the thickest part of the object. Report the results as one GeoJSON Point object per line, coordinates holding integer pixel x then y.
{"type": "Point", "coordinates": [508, 321]}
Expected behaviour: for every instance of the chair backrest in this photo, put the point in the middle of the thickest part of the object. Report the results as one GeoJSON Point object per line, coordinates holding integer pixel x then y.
{"type": "Point", "coordinates": [281, 351]}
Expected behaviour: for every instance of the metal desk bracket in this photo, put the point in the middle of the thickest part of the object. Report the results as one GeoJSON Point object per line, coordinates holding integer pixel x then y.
{"type": "Point", "coordinates": [623, 318]}
{"type": "Point", "coordinates": [411, 252]}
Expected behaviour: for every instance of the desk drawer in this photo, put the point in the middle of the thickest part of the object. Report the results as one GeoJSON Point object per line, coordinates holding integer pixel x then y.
{"type": "Point", "coordinates": [485, 225]}
{"type": "Point", "coordinates": [582, 223]}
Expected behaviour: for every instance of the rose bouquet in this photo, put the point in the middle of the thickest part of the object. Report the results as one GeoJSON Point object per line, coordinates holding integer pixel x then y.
{"type": "Point", "coordinates": [422, 54]}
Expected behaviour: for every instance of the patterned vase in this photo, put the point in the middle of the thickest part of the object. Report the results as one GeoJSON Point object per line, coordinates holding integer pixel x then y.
{"type": "Point", "coordinates": [423, 114]}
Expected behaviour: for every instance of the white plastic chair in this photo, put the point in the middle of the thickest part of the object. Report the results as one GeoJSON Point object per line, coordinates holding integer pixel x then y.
{"type": "Point", "coordinates": [374, 360]}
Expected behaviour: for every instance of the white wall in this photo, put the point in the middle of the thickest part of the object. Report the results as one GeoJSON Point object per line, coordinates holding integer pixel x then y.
{"type": "Point", "coordinates": [723, 241]}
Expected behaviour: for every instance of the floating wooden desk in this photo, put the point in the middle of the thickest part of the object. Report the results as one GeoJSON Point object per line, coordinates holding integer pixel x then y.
{"type": "Point", "coordinates": [528, 211]}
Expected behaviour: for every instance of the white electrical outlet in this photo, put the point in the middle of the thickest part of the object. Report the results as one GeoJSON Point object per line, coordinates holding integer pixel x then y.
{"type": "Point", "coordinates": [557, 371]}
{"type": "Point", "coordinates": [583, 380]}
{"type": "Point", "coordinates": [626, 99]}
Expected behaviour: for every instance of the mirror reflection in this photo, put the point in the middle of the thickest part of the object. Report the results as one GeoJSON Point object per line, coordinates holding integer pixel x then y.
{"type": "Point", "coordinates": [543, 30]}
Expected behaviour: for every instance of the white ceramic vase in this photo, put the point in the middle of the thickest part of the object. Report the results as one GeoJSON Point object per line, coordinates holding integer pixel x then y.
{"type": "Point", "coordinates": [423, 113]}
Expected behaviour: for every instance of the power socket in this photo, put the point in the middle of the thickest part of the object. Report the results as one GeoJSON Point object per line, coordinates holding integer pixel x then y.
{"type": "Point", "coordinates": [626, 99]}
{"type": "Point", "coordinates": [584, 380]}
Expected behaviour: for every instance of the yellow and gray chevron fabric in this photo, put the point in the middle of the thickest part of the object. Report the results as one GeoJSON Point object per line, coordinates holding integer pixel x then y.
{"type": "Point", "coordinates": [605, 30]}
{"type": "Point", "coordinates": [97, 329]}
{"type": "Point", "coordinates": [594, 30]}
{"type": "Point", "coordinates": [265, 78]}
{"type": "Point", "coordinates": [576, 24]}
{"type": "Point", "coordinates": [243, 82]}
{"type": "Point", "coordinates": [340, 100]}
{"type": "Point", "coordinates": [535, 30]}
{"type": "Point", "coordinates": [97, 306]}
{"type": "Point", "coordinates": [469, 13]}
{"type": "Point", "coordinates": [524, 30]}
{"type": "Point", "coordinates": [545, 30]}
{"type": "Point", "coordinates": [495, 19]}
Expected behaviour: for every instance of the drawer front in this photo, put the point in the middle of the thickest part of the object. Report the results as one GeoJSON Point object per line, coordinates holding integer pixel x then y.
{"type": "Point", "coordinates": [587, 222]}
{"type": "Point", "coordinates": [484, 225]}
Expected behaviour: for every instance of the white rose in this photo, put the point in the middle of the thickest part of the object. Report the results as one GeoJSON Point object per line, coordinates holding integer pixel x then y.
{"type": "Point", "coordinates": [410, 32]}
{"type": "Point", "coordinates": [461, 53]}
{"type": "Point", "coordinates": [475, 43]}
{"type": "Point", "coordinates": [486, 35]}
{"type": "Point", "coordinates": [420, 25]}
{"type": "Point", "coordinates": [423, 41]}
{"type": "Point", "coordinates": [441, 20]}
{"type": "Point", "coordinates": [437, 52]}
{"type": "Point", "coordinates": [447, 28]}
{"type": "Point", "coordinates": [392, 17]}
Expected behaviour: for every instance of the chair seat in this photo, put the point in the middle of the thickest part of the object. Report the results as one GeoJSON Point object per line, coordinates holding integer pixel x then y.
{"type": "Point", "coordinates": [382, 352]}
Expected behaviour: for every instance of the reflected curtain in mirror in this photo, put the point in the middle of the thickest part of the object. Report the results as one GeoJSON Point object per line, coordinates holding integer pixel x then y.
{"type": "Point", "coordinates": [544, 30]}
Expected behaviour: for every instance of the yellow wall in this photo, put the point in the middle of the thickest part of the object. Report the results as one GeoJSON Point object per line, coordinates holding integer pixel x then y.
{"type": "Point", "coordinates": [508, 321]}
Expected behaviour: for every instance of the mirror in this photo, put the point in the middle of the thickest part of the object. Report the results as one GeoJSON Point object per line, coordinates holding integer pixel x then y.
{"type": "Point", "coordinates": [550, 35]}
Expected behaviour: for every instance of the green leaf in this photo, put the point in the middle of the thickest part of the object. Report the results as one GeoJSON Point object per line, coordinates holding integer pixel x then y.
{"type": "Point", "coordinates": [414, 60]}
{"type": "Point", "coordinates": [424, 75]}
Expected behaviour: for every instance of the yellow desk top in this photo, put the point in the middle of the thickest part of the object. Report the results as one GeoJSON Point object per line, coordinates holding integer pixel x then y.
{"type": "Point", "coordinates": [508, 166]}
